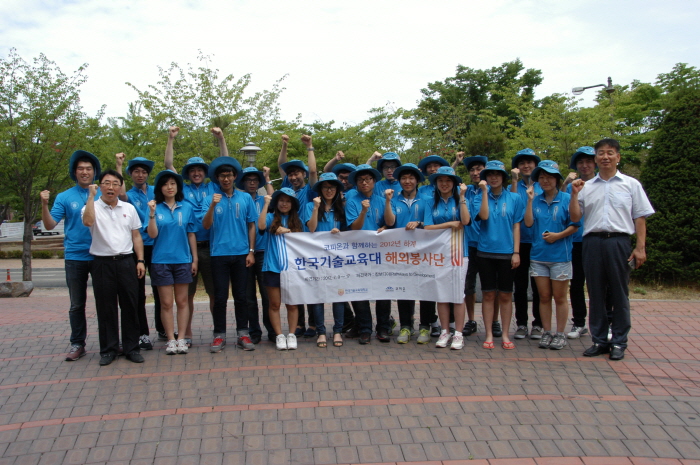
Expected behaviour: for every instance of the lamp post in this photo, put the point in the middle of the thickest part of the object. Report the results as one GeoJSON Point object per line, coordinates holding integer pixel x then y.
{"type": "Point", "coordinates": [608, 88]}
{"type": "Point", "coordinates": [250, 151]}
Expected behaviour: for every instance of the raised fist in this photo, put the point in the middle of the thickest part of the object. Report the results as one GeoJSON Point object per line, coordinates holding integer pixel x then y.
{"type": "Point", "coordinates": [285, 139]}
{"type": "Point", "coordinates": [459, 156]}
{"type": "Point", "coordinates": [216, 198]}
{"type": "Point", "coordinates": [266, 172]}
{"type": "Point", "coordinates": [483, 184]}
{"type": "Point", "coordinates": [268, 198]}
{"type": "Point", "coordinates": [218, 133]}
{"type": "Point", "coordinates": [317, 202]}
{"type": "Point", "coordinates": [92, 190]}
{"type": "Point", "coordinates": [306, 140]}
{"type": "Point", "coordinates": [365, 204]}
{"type": "Point", "coordinates": [339, 156]}
{"type": "Point", "coordinates": [530, 192]}
{"type": "Point", "coordinates": [44, 196]}
{"type": "Point", "coordinates": [120, 159]}
{"type": "Point", "coordinates": [152, 205]}
{"type": "Point", "coordinates": [389, 194]}
{"type": "Point", "coordinates": [375, 156]}
{"type": "Point", "coordinates": [462, 190]}
{"type": "Point", "coordinates": [515, 172]}
{"type": "Point", "coordinates": [173, 131]}
{"type": "Point", "coordinates": [572, 176]}
{"type": "Point", "coordinates": [577, 185]}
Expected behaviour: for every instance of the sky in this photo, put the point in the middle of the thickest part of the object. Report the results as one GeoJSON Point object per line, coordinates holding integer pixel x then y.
{"type": "Point", "coordinates": [342, 58]}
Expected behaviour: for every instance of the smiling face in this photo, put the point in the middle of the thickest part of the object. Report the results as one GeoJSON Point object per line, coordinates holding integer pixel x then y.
{"type": "Point", "coordinates": [110, 187]}
{"type": "Point", "coordinates": [548, 182]}
{"type": "Point", "coordinates": [226, 180]}
{"type": "Point", "coordinates": [445, 184]}
{"type": "Point", "coordinates": [526, 165]}
{"type": "Point", "coordinates": [196, 175]}
{"type": "Point", "coordinates": [607, 158]}
{"type": "Point", "coordinates": [494, 179]}
{"type": "Point", "coordinates": [408, 183]}
{"type": "Point", "coordinates": [251, 182]}
{"type": "Point", "coordinates": [139, 175]}
{"type": "Point", "coordinates": [431, 168]}
{"type": "Point", "coordinates": [365, 184]}
{"type": "Point", "coordinates": [328, 190]}
{"type": "Point", "coordinates": [585, 167]}
{"type": "Point", "coordinates": [84, 173]}
{"type": "Point", "coordinates": [296, 176]}
{"type": "Point", "coordinates": [169, 189]}
{"type": "Point", "coordinates": [343, 177]}
{"type": "Point", "coordinates": [388, 168]}
{"type": "Point", "coordinates": [475, 171]}
{"type": "Point", "coordinates": [284, 204]}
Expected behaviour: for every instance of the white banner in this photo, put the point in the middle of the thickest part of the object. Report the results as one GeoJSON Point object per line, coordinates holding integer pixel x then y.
{"type": "Point", "coordinates": [363, 265]}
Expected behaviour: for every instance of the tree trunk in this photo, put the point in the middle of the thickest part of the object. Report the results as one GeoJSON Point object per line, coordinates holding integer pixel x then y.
{"type": "Point", "coordinates": [27, 251]}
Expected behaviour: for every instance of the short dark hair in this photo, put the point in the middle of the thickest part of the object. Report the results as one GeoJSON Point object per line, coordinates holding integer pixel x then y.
{"type": "Point", "coordinates": [112, 173]}
{"type": "Point", "coordinates": [225, 169]}
{"type": "Point", "coordinates": [415, 176]}
{"type": "Point", "coordinates": [85, 159]}
{"type": "Point", "coordinates": [158, 189]}
{"type": "Point", "coordinates": [612, 143]}
{"type": "Point", "coordinates": [138, 165]}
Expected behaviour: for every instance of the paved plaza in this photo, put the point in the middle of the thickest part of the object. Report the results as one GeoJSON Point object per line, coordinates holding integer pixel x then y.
{"type": "Point", "coordinates": [380, 403]}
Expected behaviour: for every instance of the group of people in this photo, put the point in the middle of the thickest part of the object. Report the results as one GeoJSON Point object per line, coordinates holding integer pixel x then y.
{"type": "Point", "coordinates": [521, 226]}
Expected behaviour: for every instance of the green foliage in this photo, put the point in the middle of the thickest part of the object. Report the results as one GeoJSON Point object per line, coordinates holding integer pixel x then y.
{"type": "Point", "coordinates": [669, 176]}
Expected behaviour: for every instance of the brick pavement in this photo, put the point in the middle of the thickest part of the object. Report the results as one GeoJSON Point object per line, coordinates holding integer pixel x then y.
{"type": "Point", "coordinates": [382, 403]}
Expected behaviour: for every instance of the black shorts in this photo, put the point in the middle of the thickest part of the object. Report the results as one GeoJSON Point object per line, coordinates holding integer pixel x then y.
{"type": "Point", "coordinates": [271, 279]}
{"type": "Point", "coordinates": [496, 274]}
{"type": "Point", "coordinates": [472, 272]}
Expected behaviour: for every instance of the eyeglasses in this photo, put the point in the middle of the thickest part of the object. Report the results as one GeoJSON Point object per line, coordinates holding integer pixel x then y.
{"type": "Point", "coordinates": [226, 176]}
{"type": "Point", "coordinates": [365, 180]}
{"type": "Point", "coordinates": [329, 188]}
{"type": "Point", "coordinates": [110, 184]}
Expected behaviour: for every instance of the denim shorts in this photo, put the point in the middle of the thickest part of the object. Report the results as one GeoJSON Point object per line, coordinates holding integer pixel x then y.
{"type": "Point", "coordinates": [556, 271]}
{"type": "Point", "coordinates": [167, 275]}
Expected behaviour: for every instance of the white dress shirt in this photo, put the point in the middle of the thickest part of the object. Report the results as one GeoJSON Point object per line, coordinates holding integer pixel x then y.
{"type": "Point", "coordinates": [111, 232]}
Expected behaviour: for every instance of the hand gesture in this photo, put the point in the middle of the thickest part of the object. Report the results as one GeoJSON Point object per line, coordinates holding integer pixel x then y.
{"type": "Point", "coordinates": [365, 205]}
{"type": "Point", "coordinates": [140, 270]}
{"type": "Point", "coordinates": [44, 196]}
{"type": "Point", "coordinates": [375, 156]}
{"type": "Point", "coordinates": [339, 156]}
{"type": "Point", "coordinates": [306, 140]}
{"type": "Point", "coordinates": [317, 202]}
{"type": "Point", "coordinates": [285, 139]}
{"type": "Point", "coordinates": [216, 198]}
{"type": "Point", "coordinates": [411, 225]}
{"type": "Point", "coordinates": [577, 185]}
{"type": "Point", "coordinates": [92, 190]}
{"type": "Point", "coordinates": [515, 261]}
{"type": "Point", "coordinates": [462, 190]}
{"type": "Point", "coordinates": [550, 237]}
{"type": "Point", "coordinates": [455, 224]}
{"type": "Point", "coordinates": [119, 159]}
{"type": "Point", "coordinates": [514, 173]}
{"type": "Point", "coordinates": [459, 156]}
{"type": "Point", "coordinates": [530, 192]}
{"type": "Point", "coordinates": [482, 185]}
{"type": "Point", "coordinates": [266, 173]}
{"type": "Point", "coordinates": [152, 206]}
{"type": "Point", "coordinates": [335, 231]}
{"type": "Point", "coordinates": [218, 133]}
{"type": "Point", "coordinates": [389, 194]}
{"type": "Point", "coordinates": [173, 131]}
{"type": "Point", "coordinates": [571, 176]}
{"type": "Point", "coordinates": [268, 199]}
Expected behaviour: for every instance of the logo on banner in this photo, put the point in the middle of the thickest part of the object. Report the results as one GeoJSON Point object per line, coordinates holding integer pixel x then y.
{"type": "Point", "coordinates": [341, 291]}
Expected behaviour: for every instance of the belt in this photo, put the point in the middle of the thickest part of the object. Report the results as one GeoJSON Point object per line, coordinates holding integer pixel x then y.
{"type": "Point", "coordinates": [606, 235]}
{"type": "Point", "coordinates": [202, 243]}
{"type": "Point", "coordinates": [114, 257]}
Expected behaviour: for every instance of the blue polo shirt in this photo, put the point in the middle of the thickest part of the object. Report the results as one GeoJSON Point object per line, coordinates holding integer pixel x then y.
{"type": "Point", "coordinates": [260, 239]}
{"type": "Point", "coordinates": [77, 238]}
{"type": "Point", "coordinates": [228, 234]}
{"type": "Point", "coordinates": [171, 246]}
{"type": "Point", "coordinates": [471, 232]}
{"type": "Point", "coordinates": [374, 219]}
{"type": "Point", "coordinates": [274, 246]}
{"type": "Point", "coordinates": [526, 234]}
{"type": "Point", "coordinates": [553, 217]}
{"type": "Point", "coordinates": [578, 235]}
{"type": "Point", "coordinates": [496, 233]}
{"type": "Point", "coordinates": [327, 223]}
{"type": "Point", "coordinates": [139, 200]}
{"type": "Point", "coordinates": [304, 195]}
{"type": "Point", "coordinates": [427, 192]}
{"type": "Point", "coordinates": [407, 210]}
{"type": "Point", "coordinates": [385, 184]}
{"type": "Point", "coordinates": [444, 212]}
{"type": "Point", "coordinates": [195, 195]}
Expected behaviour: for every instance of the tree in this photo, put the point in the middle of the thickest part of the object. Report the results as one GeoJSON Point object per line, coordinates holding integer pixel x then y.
{"type": "Point", "coordinates": [669, 176]}
{"type": "Point", "coordinates": [41, 124]}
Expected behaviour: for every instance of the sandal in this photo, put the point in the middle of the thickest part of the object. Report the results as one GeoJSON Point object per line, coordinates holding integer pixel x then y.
{"type": "Point", "coordinates": [488, 345]}
{"type": "Point", "coordinates": [337, 343]}
{"type": "Point", "coordinates": [321, 344]}
{"type": "Point", "coordinates": [508, 345]}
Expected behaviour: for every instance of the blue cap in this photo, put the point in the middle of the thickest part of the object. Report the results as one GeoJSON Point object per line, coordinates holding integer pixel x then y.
{"type": "Point", "coordinates": [584, 151]}
{"type": "Point", "coordinates": [389, 156]}
{"type": "Point", "coordinates": [494, 165]}
{"type": "Point", "coordinates": [423, 164]}
{"type": "Point", "coordinates": [74, 161]}
{"type": "Point", "coordinates": [327, 177]}
{"type": "Point", "coordinates": [247, 171]}
{"type": "Point", "coordinates": [409, 168]}
{"type": "Point", "coordinates": [191, 163]}
{"type": "Point", "coordinates": [548, 166]}
{"type": "Point", "coordinates": [364, 169]}
{"type": "Point", "coordinates": [340, 167]}
{"type": "Point", "coordinates": [163, 175]}
{"type": "Point", "coordinates": [445, 171]}
{"type": "Point", "coordinates": [524, 153]}
{"type": "Point", "coordinates": [286, 191]}
{"type": "Point", "coordinates": [295, 163]}
{"type": "Point", "coordinates": [146, 163]}
{"type": "Point", "coordinates": [222, 161]}
{"type": "Point", "coordinates": [469, 161]}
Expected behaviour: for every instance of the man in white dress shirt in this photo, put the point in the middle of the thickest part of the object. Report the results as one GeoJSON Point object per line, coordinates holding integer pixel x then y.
{"type": "Point", "coordinates": [615, 206]}
{"type": "Point", "coordinates": [116, 234]}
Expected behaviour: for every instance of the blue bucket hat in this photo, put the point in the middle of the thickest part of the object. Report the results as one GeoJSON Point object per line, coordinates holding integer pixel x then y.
{"type": "Point", "coordinates": [295, 163]}
{"type": "Point", "coordinates": [364, 169]}
{"type": "Point", "coordinates": [286, 191]}
{"type": "Point", "coordinates": [74, 161]}
{"type": "Point", "coordinates": [337, 169]}
{"type": "Point", "coordinates": [469, 161]}
{"type": "Point", "coordinates": [389, 156]}
{"type": "Point", "coordinates": [247, 171]}
{"type": "Point", "coordinates": [145, 162]}
{"type": "Point", "coordinates": [584, 151]}
{"type": "Point", "coordinates": [423, 164]}
{"type": "Point", "coordinates": [327, 177]}
{"type": "Point", "coordinates": [219, 162]}
{"type": "Point", "coordinates": [548, 166]}
{"type": "Point", "coordinates": [409, 168]}
{"type": "Point", "coordinates": [494, 165]}
{"type": "Point", "coordinates": [524, 153]}
{"type": "Point", "coordinates": [445, 171]}
{"type": "Point", "coordinates": [163, 175]}
{"type": "Point", "coordinates": [191, 163]}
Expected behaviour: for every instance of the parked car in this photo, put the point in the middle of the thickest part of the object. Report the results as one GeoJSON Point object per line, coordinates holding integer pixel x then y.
{"type": "Point", "coordinates": [38, 230]}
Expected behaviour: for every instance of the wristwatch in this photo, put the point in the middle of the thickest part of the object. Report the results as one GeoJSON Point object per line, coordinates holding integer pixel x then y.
{"type": "Point", "coordinates": [251, 250]}
{"type": "Point", "coordinates": [141, 261]}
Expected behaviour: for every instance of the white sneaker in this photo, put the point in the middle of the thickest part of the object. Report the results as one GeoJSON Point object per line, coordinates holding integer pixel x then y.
{"type": "Point", "coordinates": [281, 342]}
{"type": "Point", "coordinates": [577, 332]}
{"type": "Point", "coordinates": [182, 346]}
{"type": "Point", "coordinates": [291, 341]}
{"type": "Point", "coordinates": [444, 338]}
{"type": "Point", "coordinates": [171, 347]}
{"type": "Point", "coordinates": [457, 341]}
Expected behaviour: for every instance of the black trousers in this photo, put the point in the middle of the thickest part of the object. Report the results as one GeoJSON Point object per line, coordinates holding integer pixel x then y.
{"type": "Point", "coordinates": [143, 318]}
{"type": "Point", "coordinates": [115, 285]}
{"type": "Point", "coordinates": [607, 280]}
{"type": "Point", "coordinates": [255, 276]}
{"type": "Point", "coordinates": [521, 280]}
{"type": "Point", "coordinates": [579, 311]}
